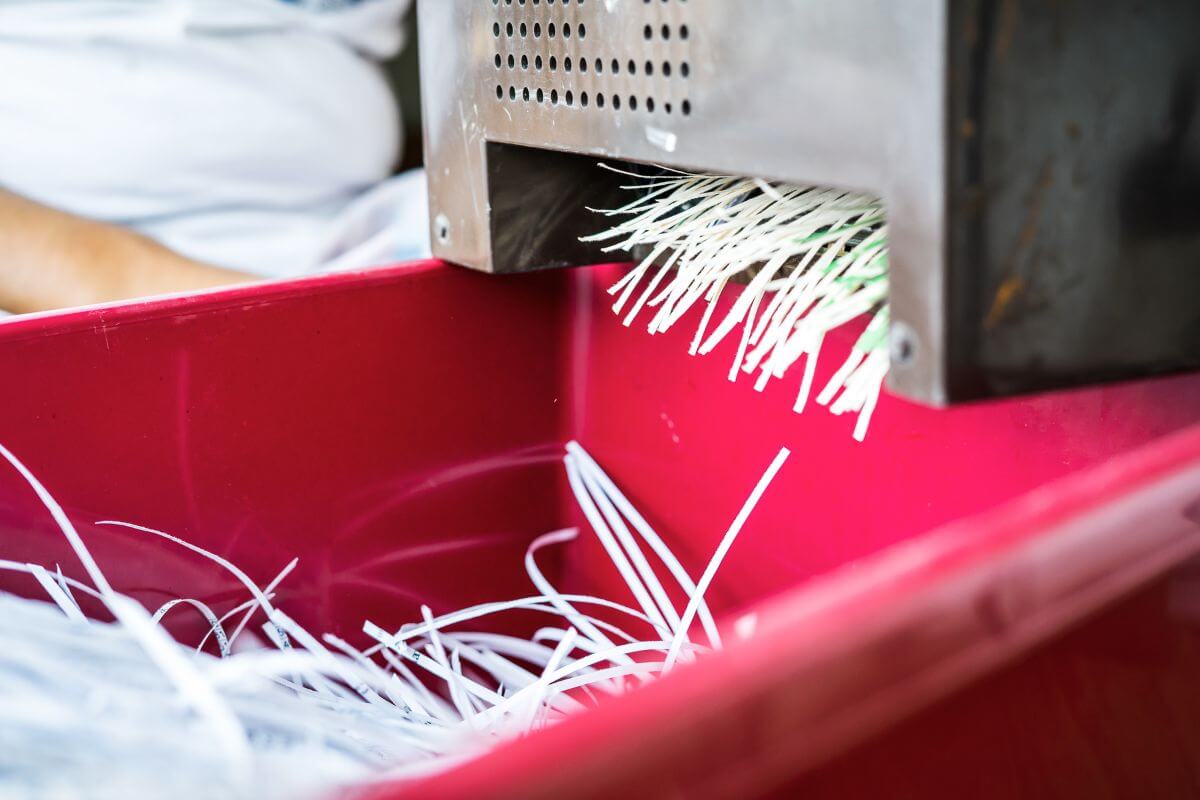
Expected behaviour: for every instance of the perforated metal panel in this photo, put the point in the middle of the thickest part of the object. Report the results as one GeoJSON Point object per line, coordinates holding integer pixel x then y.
{"type": "Point", "coordinates": [523, 98]}
{"type": "Point", "coordinates": [562, 53]}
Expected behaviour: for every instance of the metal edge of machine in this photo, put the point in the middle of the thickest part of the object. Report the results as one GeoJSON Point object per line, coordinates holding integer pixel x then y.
{"type": "Point", "coordinates": [964, 116]}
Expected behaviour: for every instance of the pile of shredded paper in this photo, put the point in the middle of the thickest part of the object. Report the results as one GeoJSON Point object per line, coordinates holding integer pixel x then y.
{"type": "Point", "coordinates": [262, 708]}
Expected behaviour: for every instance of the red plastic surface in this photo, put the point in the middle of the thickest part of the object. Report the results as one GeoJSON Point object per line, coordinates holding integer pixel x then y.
{"type": "Point", "coordinates": [401, 432]}
{"type": "Point", "coordinates": [342, 419]}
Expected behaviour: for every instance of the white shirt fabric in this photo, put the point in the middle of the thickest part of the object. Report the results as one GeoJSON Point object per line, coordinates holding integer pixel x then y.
{"type": "Point", "coordinates": [254, 134]}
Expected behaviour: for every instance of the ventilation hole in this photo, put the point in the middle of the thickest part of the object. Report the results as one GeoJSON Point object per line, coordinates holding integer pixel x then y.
{"type": "Point", "coordinates": [570, 97]}
{"type": "Point", "coordinates": [616, 102]}
{"type": "Point", "coordinates": [648, 33]}
{"type": "Point", "coordinates": [583, 65]}
{"type": "Point", "coordinates": [537, 30]}
{"type": "Point", "coordinates": [537, 62]}
{"type": "Point", "coordinates": [499, 92]}
{"type": "Point", "coordinates": [685, 69]}
{"type": "Point", "coordinates": [509, 29]}
{"type": "Point", "coordinates": [600, 100]}
{"type": "Point", "coordinates": [512, 61]}
{"type": "Point", "coordinates": [567, 63]}
{"type": "Point", "coordinates": [666, 31]}
{"type": "Point", "coordinates": [650, 104]}
{"type": "Point", "coordinates": [524, 62]}
{"type": "Point", "coordinates": [512, 93]}
{"type": "Point", "coordinates": [496, 30]}
{"type": "Point", "coordinates": [599, 65]}
{"type": "Point", "coordinates": [633, 102]}
{"type": "Point", "coordinates": [566, 30]}
{"type": "Point", "coordinates": [684, 32]}
{"type": "Point", "coordinates": [551, 30]}
{"type": "Point", "coordinates": [667, 107]}
{"type": "Point", "coordinates": [666, 69]}
{"type": "Point", "coordinates": [616, 67]}
{"type": "Point", "coordinates": [582, 31]}
{"type": "Point", "coordinates": [649, 69]}
{"type": "Point", "coordinates": [632, 67]}
{"type": "Point", "coordinates": [541, 95]}
{"type": "Point", "coordinates": [499, 61]}
{"type": "Point", "coordinates": [524, 30]}
{"type": "Point", "coordinates": [583, 99]}
{"type": "Point", "coordinates": [686, 107]}
{"type": "Point", "coordinates": [525, 94]}
{"type": "Point", "coordinates": [553, 63]}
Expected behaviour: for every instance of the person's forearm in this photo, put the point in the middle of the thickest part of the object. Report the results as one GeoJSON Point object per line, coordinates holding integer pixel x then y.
{"type": "Point", "coordinates": [51, 259]}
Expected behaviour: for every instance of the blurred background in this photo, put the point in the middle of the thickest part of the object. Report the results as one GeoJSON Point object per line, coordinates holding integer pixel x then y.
{"type": "Point", "coordinates": [403, 73]}
{"type": "Point", "coordinates": [155, 148]}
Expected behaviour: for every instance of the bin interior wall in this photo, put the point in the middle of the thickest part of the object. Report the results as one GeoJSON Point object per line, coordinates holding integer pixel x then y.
{"type": "Point", "coordinates": [401, 432]}
{"type": "Point", "coordinates": [398, 432]}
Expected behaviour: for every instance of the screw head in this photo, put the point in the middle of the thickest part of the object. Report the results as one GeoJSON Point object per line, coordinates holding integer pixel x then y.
{"type": "Point", "coordinates": [441, 229]}
{"type": "Point", "coordinates": [902, 344]}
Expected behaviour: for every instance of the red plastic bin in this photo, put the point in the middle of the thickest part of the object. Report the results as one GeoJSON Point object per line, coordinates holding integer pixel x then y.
{"type": "Point", "coordinates": [403, 428]}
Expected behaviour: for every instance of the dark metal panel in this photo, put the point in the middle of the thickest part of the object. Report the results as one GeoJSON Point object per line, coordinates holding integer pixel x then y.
{"type": "Point", "coordinates": [1074, 209]}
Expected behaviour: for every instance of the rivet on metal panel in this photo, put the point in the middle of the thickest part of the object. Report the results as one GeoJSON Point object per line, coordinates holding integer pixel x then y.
{"type": "Point", "coordinates": [441, 227]}
{"type": "Point", "coordinates": [902, 344]}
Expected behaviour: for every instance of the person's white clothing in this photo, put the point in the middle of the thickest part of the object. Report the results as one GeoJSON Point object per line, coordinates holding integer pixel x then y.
{"type": "Point", "coordinates": [259, 135]}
